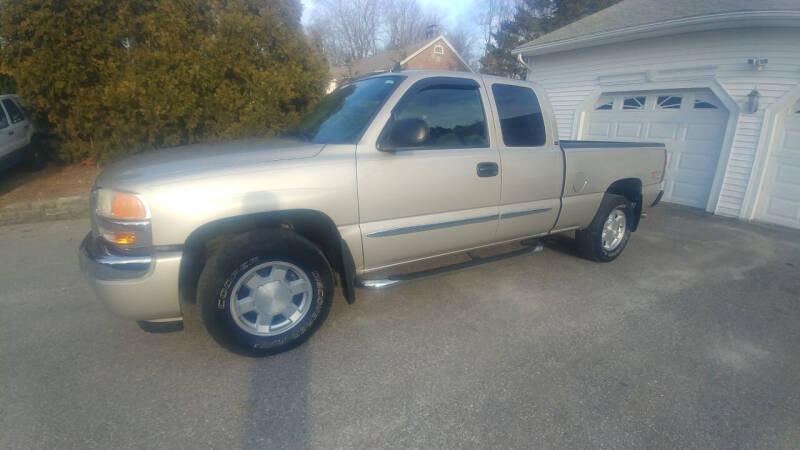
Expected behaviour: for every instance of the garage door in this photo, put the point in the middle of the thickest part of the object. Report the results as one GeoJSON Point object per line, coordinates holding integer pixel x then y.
{"type": "Point", "coordinates": [691, 124]}
{"type": "Point", "coordinates": [779, 201]}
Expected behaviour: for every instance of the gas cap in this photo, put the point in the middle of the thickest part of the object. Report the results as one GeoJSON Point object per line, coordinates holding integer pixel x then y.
{"type": "Point", "coordinates": [580, 183]}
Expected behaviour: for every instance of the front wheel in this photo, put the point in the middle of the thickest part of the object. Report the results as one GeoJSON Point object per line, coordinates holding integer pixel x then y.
{"type": "Point", "coordinates": [608, 234]}
{"type": "Point", "coordinates": [265, 291]}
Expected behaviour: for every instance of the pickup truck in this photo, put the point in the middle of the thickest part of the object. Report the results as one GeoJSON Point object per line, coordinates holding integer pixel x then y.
{"type": "Point", "coordinates": [391, 169]}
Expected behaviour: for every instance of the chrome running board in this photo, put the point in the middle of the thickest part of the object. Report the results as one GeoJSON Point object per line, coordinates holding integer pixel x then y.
{"type": "Point", "coordinates": [531, 246]}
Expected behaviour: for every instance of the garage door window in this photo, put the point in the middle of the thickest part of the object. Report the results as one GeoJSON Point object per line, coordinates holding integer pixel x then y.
{"type": "Point", "coordinates": [633, 103]}
{"type": "Point", "coordinates": [668, 102]}
{"type": "Point", "coordinates": [604, 105]}
{"type": "Point", "coordinates": [702, 102]}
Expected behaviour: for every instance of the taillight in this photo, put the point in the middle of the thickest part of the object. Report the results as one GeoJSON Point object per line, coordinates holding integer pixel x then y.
{"type": "Point", "coordinates": [664, 167]}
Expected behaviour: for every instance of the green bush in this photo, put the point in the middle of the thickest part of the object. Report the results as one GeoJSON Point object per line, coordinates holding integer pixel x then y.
{"type": "Point", "coordinates": [115, 77]}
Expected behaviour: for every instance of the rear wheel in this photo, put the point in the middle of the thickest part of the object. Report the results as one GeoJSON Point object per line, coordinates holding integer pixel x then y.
{"type": "Point", "coordinates": [608, 234]}
{"type": "Point", "coordinates": [265, 291]}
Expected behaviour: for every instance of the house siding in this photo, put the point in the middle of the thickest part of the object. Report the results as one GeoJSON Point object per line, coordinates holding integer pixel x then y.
{"type": "Point", "coordinates": [571, 77]}
{"type": "Point", "coordinates": [427, 59]}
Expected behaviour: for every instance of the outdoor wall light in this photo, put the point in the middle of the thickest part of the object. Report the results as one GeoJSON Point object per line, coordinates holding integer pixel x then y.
{"type": "Point", "coordinates": [752, 101]}
{"type": "Point", "coordinates": [758, 63]}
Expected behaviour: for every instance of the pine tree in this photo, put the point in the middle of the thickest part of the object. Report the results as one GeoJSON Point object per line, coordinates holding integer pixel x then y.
{"type": "Point", "coordinates": [114, 77]}
{"type": "Point", "coordinates": [532, 19]}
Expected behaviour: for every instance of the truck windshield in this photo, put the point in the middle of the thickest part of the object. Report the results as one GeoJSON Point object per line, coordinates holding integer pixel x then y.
{"type": "Point", "coordinates": [342, 116]}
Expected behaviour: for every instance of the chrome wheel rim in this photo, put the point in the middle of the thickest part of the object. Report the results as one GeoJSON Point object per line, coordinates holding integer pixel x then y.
{"type": "Point", "coordinates": [271, 298]}
{"type": "Point", "coordinates": [614, 230]}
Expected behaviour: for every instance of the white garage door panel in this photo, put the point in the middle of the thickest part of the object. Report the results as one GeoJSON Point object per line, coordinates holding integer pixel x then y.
{"type": "Point", "coordinates": [691, 123]}
{"type": "Point", "coordinates": [663, 130]}
{"type": "Point", "coordinates": [779, 201]}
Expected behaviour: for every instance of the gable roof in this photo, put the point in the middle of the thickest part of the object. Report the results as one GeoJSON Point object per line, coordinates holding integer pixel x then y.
{"type": "Point", "coordinates": [637, 16]}
{"type": "Point", "coordinates": [386, 60]}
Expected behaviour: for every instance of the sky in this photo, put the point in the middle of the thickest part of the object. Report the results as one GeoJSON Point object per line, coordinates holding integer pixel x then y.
{"type": "Point", "coordinates": [453, 10]}
{"type": "Point", "coordinates": [455, 13]}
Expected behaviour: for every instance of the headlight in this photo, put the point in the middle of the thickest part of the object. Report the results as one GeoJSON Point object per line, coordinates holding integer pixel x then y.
{"type": "Point", "coordinates": [121, 218]}
{"type": "Point", "coordinates": [120, 205]}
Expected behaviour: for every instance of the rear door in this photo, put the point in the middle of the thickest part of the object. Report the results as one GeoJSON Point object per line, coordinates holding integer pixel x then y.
{"type": "Point", "coordinates": [15, 134]}
{"type": "Point", "coordinates": [532, 162]}
{"type": "Point", "coordinates": [438, 196]}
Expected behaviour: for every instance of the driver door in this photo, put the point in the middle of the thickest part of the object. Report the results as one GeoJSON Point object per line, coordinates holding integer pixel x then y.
{"type": "Point", "coordinates": [439, 195]}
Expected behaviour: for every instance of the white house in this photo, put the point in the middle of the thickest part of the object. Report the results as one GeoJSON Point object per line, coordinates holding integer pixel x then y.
{"type": "Point", "coordinates": [717, 81]}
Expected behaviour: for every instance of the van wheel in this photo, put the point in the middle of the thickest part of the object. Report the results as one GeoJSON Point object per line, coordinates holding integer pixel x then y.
{"type": "Point", "coordinates": [609, 232]}
{"type": "Point", "coordinates": [265, 292]}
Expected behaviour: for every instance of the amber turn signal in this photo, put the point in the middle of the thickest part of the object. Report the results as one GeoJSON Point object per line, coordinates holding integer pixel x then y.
{"type": "Point", "coordinates": [127, 206]}
{"type": "Point", "coordinates": [123, 237]}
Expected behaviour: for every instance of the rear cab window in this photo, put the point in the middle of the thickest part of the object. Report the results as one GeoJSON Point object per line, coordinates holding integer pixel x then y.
{"type": "Point", "coordinates": [520, 115]}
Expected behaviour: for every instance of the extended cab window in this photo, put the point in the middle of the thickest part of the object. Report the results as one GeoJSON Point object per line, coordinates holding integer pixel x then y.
{"type": "Point", "coordinates": [452, 115]}
{"type": "Point", "coordinates": [14, 113]}
{"type": "Point", "coordinates": [520, 116]}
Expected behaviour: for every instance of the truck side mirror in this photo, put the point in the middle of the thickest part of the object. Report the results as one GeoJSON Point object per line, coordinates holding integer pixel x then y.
{"type": "Point", "coordinates": [405, 133]}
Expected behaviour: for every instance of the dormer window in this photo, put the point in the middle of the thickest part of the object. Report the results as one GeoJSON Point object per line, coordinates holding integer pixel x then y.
{"type": "Point", "coordinates": [438, 50]}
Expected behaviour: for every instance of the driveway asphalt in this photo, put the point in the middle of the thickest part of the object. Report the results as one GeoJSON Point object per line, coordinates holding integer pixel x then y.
{"type": "Point", "coordinates": [690, 339]}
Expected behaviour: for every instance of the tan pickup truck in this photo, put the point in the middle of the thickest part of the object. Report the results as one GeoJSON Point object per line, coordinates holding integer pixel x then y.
{"type": "Point", "coordinates": [387, 170]}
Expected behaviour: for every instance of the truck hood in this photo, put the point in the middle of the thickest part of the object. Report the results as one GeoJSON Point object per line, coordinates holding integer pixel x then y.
{"type": "Point", "coordinates": [196, 159]}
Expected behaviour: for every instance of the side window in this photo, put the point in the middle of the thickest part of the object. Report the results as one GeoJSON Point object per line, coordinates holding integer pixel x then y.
{"type": "Point", "coordinates": [444, 116]}
{"type": "Point", "coordinates": [3, 119]}
{"type": "Point", "coordinates": [14, 113]}
{"type": "Point", "coordinates": [520, 116]}
{"type": "Point", "coordinates": [633, 103]}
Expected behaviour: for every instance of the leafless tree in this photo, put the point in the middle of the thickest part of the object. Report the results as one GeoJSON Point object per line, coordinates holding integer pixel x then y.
{"type": "Point", "coordinates": [464, 42]}
{"type": "Point", "coordinates": [406, 22]}
{"type": "Point", "coordinates": [491, 14]}
{"type": "Point", "coordinates": [346, 29]}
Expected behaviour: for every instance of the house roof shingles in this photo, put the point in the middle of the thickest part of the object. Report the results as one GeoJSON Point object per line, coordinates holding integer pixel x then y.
{"type": "Point", "coordinates": [630, 13]}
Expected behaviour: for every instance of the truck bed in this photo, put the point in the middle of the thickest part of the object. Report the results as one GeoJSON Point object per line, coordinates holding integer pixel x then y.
{"type": "Point", "coordinates": [590, 167]}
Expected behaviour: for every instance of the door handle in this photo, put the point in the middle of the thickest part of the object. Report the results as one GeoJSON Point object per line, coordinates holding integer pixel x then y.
{"type": "Point", "coordinates": [487, 169]}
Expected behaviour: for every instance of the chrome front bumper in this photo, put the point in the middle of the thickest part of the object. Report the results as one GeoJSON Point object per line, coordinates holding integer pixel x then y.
{"type": "Point", "coordinates": [133, 287]}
